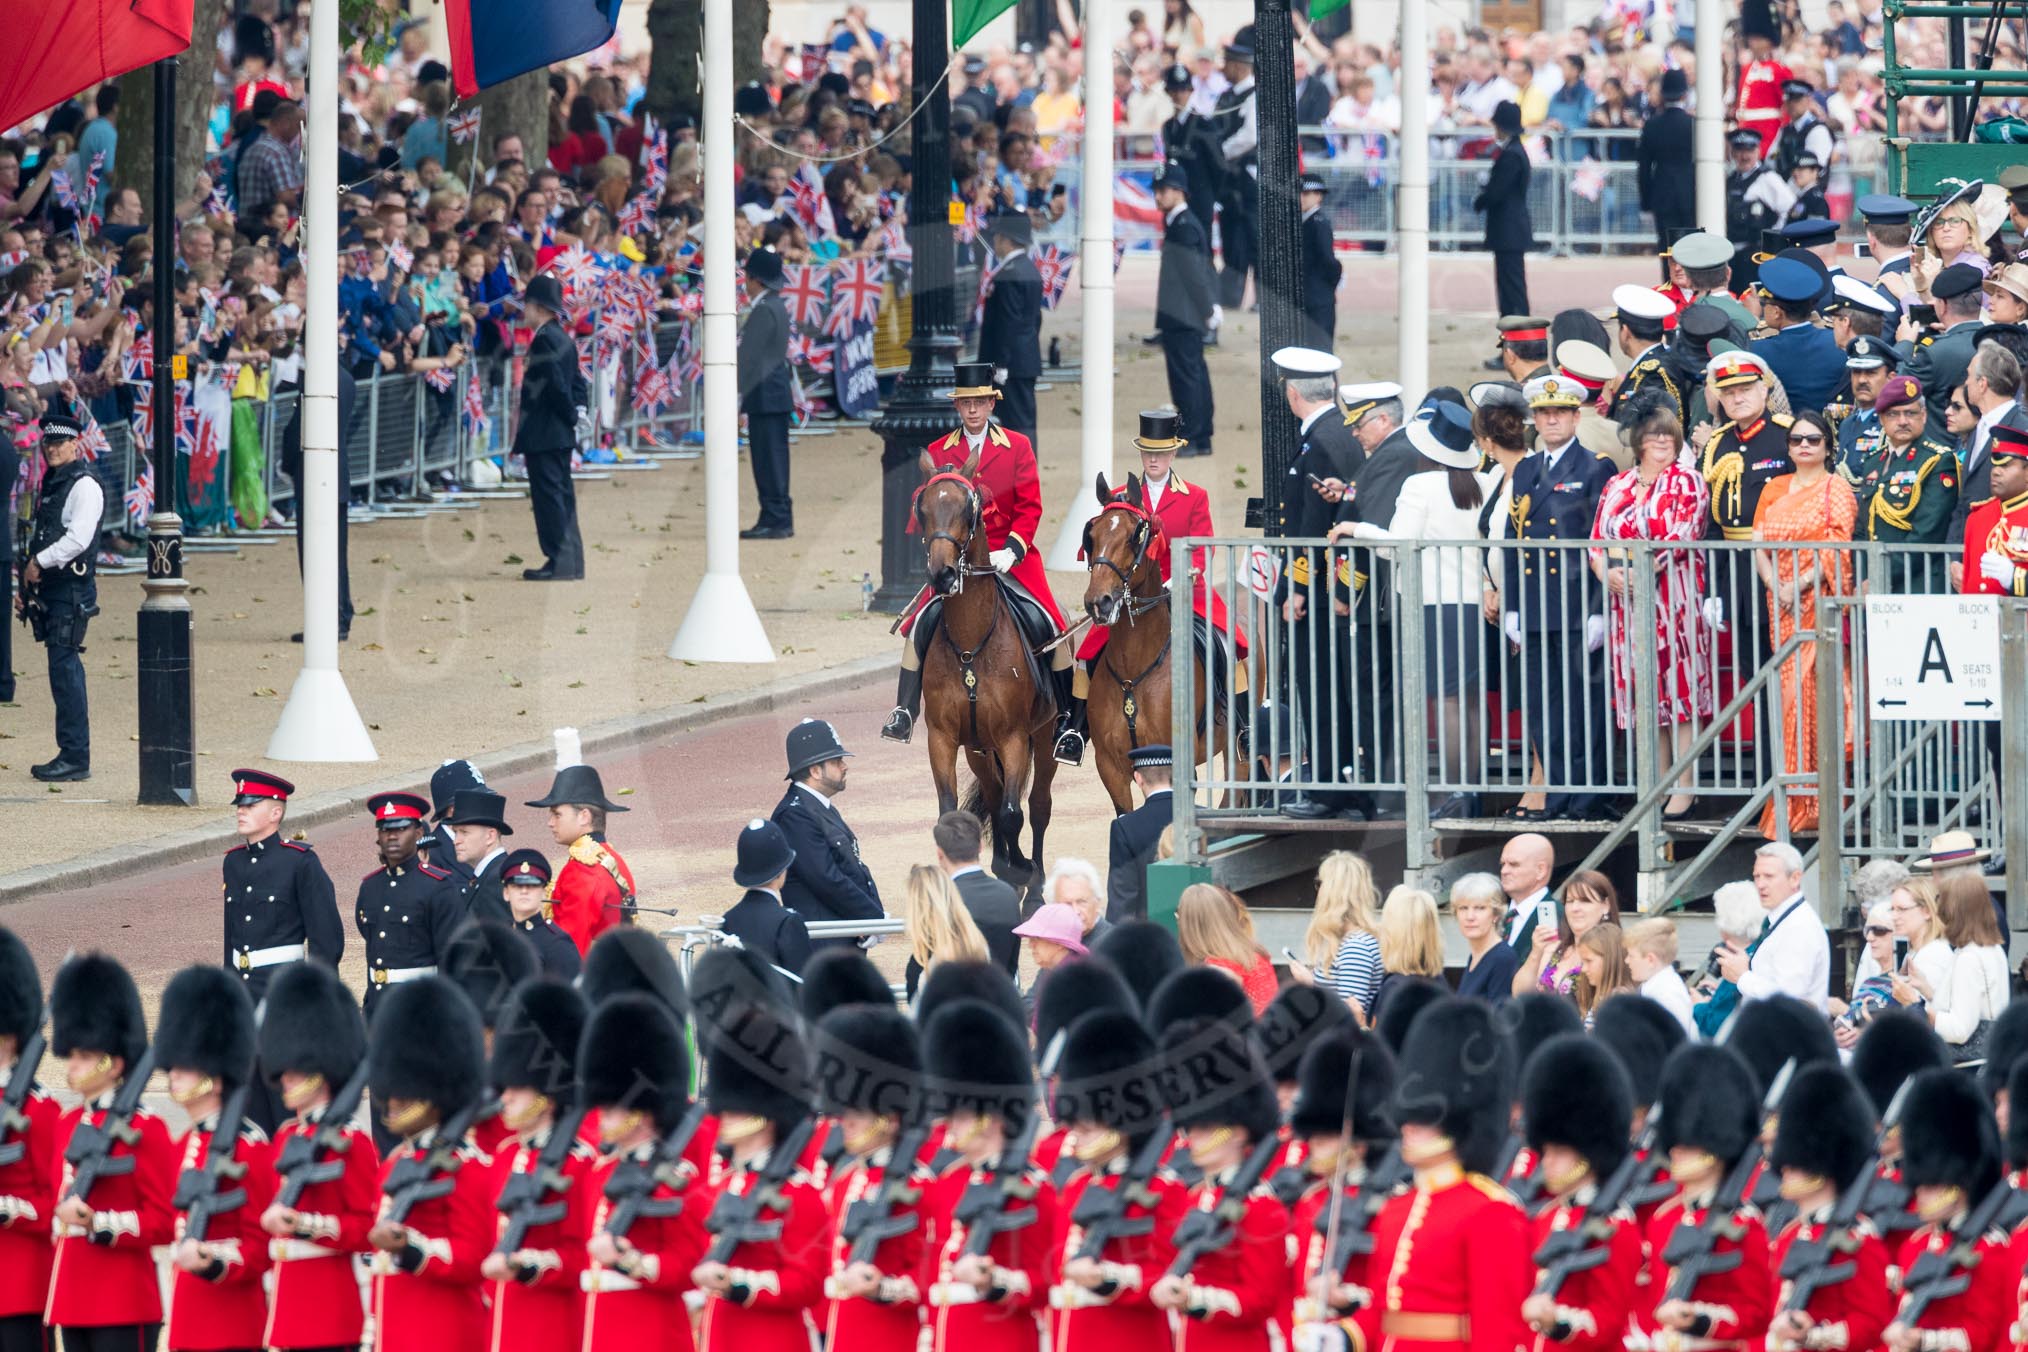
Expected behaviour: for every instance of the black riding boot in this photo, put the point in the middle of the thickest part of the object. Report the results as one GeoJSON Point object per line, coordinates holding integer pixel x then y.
{"type": "Point", "coordinates": [1071, 732]}
{"type": "Point", "coordinates": [907, 701]}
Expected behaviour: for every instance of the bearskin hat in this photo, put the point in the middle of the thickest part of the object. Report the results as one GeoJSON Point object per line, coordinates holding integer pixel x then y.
{"type": "Point", "coordinates": [627, 958]}
{"type": "Point", "coordinates": [1771, 1032]}
{"type": "Point", "coordinates": [206, 1024]}
{"type": "Point", "coordinates": [1574, 1093]}
{"type": "Point", "coordinates": [1948, 1135]}
{"type": "Point", "coordinates": [536, 1039]}
{"type": "Point", "coordinates": [1642, 1035]}
{"type": "Point", "coordinates": [1326, 1073]}
{"type": "Point", "coordinates": [726, 982]}
{"type": "Point", "coordinates": [1710, 1101]}
{"type": "Point", "coordinates": [20, 989]}
{"type": "Point", "coordinates": [488, 958]}
{"type": "Point", "coordinates": [427, 1044]}
{"type": "Point", "coordinates": [311, 1024]}
{"type": "Point", "coordinates": [948, 982]}
{"type": "Point", "coordinates": [834, 977]}
{"type": "Point", "coordinates": [1407, 997]}
{"type": "Point", "coordinates": [632, 1056]}
{"type": "Point", "coordinates": [2006, 1043]}
{"type": "Point", "coordinates": [1897, 1044]}
{"type": "Point", "coordinates": [758, 1064]}
{"type": "Point", "coordinates": [975, 1057]}
{"type": "Point", "coordinates": [1145, 954]}
{"type": "Point", "coordinates": [1533, 1019]}
{"type": "Point", "coordinates": [1826, 1126]}
{"type": "Point", "coordinates": [1297, 1019]}
{"type": "Point", "coordinates": [2017, 1120]}
{"type": "Point", "coordinates": [1456, 1073]}
{"type": "Point", "coordinates": [1108, 1074]}
{"type": "Point", "coordinates": [1079, 986]}
{"type": "Point", "coordinates": [868, 1058]}
{"type": "Point", "coordinates": [95, 1007]}
{"type": "Point", "coordinates": [1199, 993]}
{"type": "Point", "coordinates": [1213, 1076]}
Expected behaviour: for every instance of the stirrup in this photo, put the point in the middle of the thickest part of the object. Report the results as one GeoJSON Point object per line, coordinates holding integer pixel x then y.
{"type": "Point", "coordinates": [1069, 747]}
{"type": "Point", "coordinates": [900, 726]}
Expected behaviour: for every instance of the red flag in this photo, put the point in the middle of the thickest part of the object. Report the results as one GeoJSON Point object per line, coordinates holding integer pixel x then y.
{"type": "Point", "coordinates": [58, 47]}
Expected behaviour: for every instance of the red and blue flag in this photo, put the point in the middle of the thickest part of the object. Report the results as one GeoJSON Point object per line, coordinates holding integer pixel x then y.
{"type": "Point", "coordinates": [496, 40]}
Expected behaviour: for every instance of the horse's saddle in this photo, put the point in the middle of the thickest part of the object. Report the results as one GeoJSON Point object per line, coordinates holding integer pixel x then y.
{"type": "Point", "coordinates": [1036, 626]}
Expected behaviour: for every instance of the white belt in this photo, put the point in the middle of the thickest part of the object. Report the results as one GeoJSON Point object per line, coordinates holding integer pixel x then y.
{"type": "Point", "coordinates": [606, 1281]}
{"type": "Point", "coordinates": [247, 959]}
{"type": "Point", "coordinates": [955, 1293]}
{"type": "Point", "coordinates": [394, 976]}
{"type": "Point", "coordinates": [296, 1250]}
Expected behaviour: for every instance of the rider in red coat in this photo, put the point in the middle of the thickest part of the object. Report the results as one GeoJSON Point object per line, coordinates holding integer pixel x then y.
{"type": "Point", "coordinates": [28, 1183]}
{"type": "Point", "coordinates": [1010, 511]}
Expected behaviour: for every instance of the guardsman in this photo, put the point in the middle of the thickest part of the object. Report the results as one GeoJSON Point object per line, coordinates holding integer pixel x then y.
{"type": "Point", "coordinates": [635, 1072]}
{"type": "Point", "coordinates": [205, 1038]}
{"type": "Point", "coordinates": [312, 1044]}
{"type": "Point", "coordinates": [1951, 1159]}
{"type": "Point", "coordinates": [1074, 989]}
{"type": "Point", "coordinates": [1321, 269]}
{"type": "Point", "coordinates": [103, 1288]}
{"type": "Point", "coordinates": [1802, 132]}
{"type": "Point", "coordinates": [1915, 490]}
{"type": "Point", "coordinates": [28, 1182]}
{"type": "Point", "coordinates": [428, 1058]}
{"type": "Point", "coordinates": [1804, 357]}
{"type": "Point", "coordinates": [440, 845]}
{"type": "Point", "coordinates": [1186, 303]}
{"type": "Point", "coordinates": [761, 919]}
{"type": "Point", "coordinates": [1236, 117]}
{"type": "Point", "coordinates": [594, 890]}
{"type": "Point", "coordinates": [524, 883]}
{"type": "Point", "coordinates": [875, 1300]}
{"type": "Point", "coordinates": [762, 1294]}
{"type": "Point", "coordinates": [1580, 1141]}
{"type": "Point", "coordinates": [1587, 366]}
{"type": "Point", "coordinates": [1643, 313]}
{"type": "Point", "coordinates": [977, 1068]}
{"type": "Point", "coordinates": [1010, 328]}
{"type": "Point", "coordinates": [59, 587]}
{"type": "Point", "coordinates": [486, 959]}
{"type": "Point", "coordinates": [827, 879]}
{"type": "Point", "coordinates": [767, 395]}
{"type": "Point", "coordinates": [1996, 530]}
{"type": "Point", "coordinates": [1938, 361]}
{"type": "Point", "coordinates": [477, 819]}
{"type": "Point", "coordinates": [407, 910]}
{"type": "Point", "coordinates": [1710, 1116]}
{"type": "Point", "coordinates": [1296, 1019]}
{"type": "Point", "coordinates": [1869, 362]}
{"type": "Point", "coordinates": [1823, 1145]}
{"type": "Point", "coordinates": [1001, 466]}
{"type": "Point", "coordinates": [1346, 1081]}
{"type": "Point", "coordinates": [554, 400]}
{"type": "Point", "coordinates": [1755, 199]}
{"type": "Point", "coordinates": [533, 1291]}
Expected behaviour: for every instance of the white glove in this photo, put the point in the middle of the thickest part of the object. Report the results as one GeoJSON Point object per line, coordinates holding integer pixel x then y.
{"type": "Point", "coordinates": [1998, 568]}
{"type": "Point", "coordinates": [1512, 626]}
{"type": "Point", "coordinates": [1217, 318]}
{"type": "Point", "coordinates": [1319, 1338]}
{"type": "Point", "coordinates": [1594, 633]}
{"type": "Point", "coordinates": [999, 375]}
{"type": "Point", "coordinates": [1714, 612]}
{"type": "Point", "coordinates": [1003, 559]}
{"type": "Point", "coordinates": [584, 423]}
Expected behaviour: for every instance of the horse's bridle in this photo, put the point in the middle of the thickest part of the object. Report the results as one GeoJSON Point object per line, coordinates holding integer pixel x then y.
{"type": "Point", "coordinates": [1144, 536]}
{"type": "Point", "coordinates": [974, 519]}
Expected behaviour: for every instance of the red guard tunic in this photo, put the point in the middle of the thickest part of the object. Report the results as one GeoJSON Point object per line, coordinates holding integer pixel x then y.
{"type": "Point", "coordinates": [1450, 1258]}
{"type": "Point", "coordinates": [99, 1285]}
{"type": "Point", "coordinates": [783, 1278]}
{"type": "Point", "coordinates": [960, 1318]}
{"type": "Point", "coordinates": [893, 1319]}
{"type": "Point", "coordinates": [1997, 527]}
{"type": "Point", "coordinates": [1850, 1315]}
{"type": "Point", "coordinates": [1240, 1293]}
{"type": "Point", "coordinates": [28, 1206]}
{"type": "Point", "coordinates": [1594, 1304]}
{"type": "Point", "coordinates": [1738, 1303]}
{"type": "Point", "coordinates": [231, 1309]}
{"type": "Point", "coordinates": [1010, 494]}
{"type": "Point", "coordinates": [547, 1311]}
{"type": "Point", "coordinates": [315, 1300]}
{"type": "Point", "coordinates": [1308, 1225]}
{"type": "Point", "coordinates": [1082, 1318]}
{"type": "Point", "coordinates": [1184, 513]}
{"type": "Point", "coordinates": [1760, 99]}
{"type": "Point", "coordinates": [1982, 1311]}
{"type": "Point", "coordinates": [588, 892]}
{"type": "Point", "coordinates": [437, 1307]}
{"type": "Point", "coordinates": [622, 1312]}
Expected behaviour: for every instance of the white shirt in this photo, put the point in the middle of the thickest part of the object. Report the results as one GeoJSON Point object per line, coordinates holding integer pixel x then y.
{"type": "Point", "coordinates": [1155, 488]}
{"type": "Point", "coordinates": [821, 799]}
{"type": "Point", "coordinates": [491, 855]}
{"type": "Point", "coordinates": [1982, 435]}
{"type": "Point", "coordinates": [1519, 911]}
{"type": "Point", "coordinates": [1311, 421]}
{"type": "Point", "coordinates": [962, 869]}
{"type": "Point", "coordinates": [1170, 219]}
{"type": "Point", "coordinates": [83, 508]}
{"type": "Point", "coordinates": [1793, 959]}
{"type": "Point", "coordinates": [1552, 456]}
{"type": "Point", "coordinates": [1975, 990]}
{"type": "Point", "coordinates": [1666, 989]}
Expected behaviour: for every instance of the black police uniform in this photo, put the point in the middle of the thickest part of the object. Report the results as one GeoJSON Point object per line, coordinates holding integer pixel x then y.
{"type": "Point", "coordinates": [1744, 223]}
{"type": "Point", "coordinates": [1183, 301]}
{"type": "Point", "coordinates": [762, 923]}
{"type": "Point", "coordinates": [406, 914]}
{"type": "Point", "coordinates": [552, 390]}
{"type": "Point", "coordinates": [1322, 659]}
{"type": "Point", "coordinates": [828, 880]}
{"type": "Point", "coordinates": [1239, 195]}
{"type": "Point", "coordinates": [767, 397]}
{"type": "Point", "coordinates": [1192, 142]}
{"type": "Point", "coordinates": [1131, 848]}
{"type": "Point", "coordinates": [1010, 337]}
{"type": "Point", "coordinates": [1667, 193]}
{"type": "Point", "coordinates": [1321, 273]}
{"type": "Point", "coordinates": [62, 602]}
{"type": "Point", "coordinates": [439, 848]}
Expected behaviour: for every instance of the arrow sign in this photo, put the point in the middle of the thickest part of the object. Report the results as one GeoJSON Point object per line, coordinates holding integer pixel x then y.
{"type": "Point", "coordinates": [1933, 657]}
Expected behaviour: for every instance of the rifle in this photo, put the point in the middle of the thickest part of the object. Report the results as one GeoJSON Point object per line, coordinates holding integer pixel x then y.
{"type": "Point", "coordinates": [422, 1175]}
{"type": "Point", "coordinates": [1102, 1212]}
{"type": "Point", "coordinates": [735, 1217]}
{"type": "Point", "coordinates": [90, 1152]}
{"type": "Point", "coordinates": [1810, 1266]}
{"type": "Point", "coordinates": [1588, 1244]}
{"type": "Point", "coordinates": [986, 1208]}
{"type": "Point", "coordinates": [631, 1186]}
{"type": "Point", "coordinates": [1692, 1250]}
{"type": "Point", "coordinates": [1355, 1224]}
{"type": "Point", "coordinates": [13, 1121]}
{"type": "Point", "coordinates": [872, 1221]}
{"type": "Point", "coordinates": [1653, 1190]}
{"type": "Point", "coordinates": [200, 1191]}
{"type": "Point", "coordinates": [1934, 1275]}
{"type": "Point", "coordinates": [319, 1156]}
{"type": "Point", "coordinates": [1211, 1231]}
{"type": "Point", "coordinates": [523, 1198]}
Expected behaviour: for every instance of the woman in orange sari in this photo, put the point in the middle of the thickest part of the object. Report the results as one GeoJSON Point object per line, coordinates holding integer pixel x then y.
{"type": "Point", "coordinates": [1811, 505]}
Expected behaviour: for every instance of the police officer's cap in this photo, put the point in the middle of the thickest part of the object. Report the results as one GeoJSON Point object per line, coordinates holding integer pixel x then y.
{"type": "Point", "coordinates": [1796, 89]}
{"type": "Point", "coordinates": [1305, 363]}
{"type": "Point", "coordinates": [1314, 183]}
{"type": "Point", "coordinates": [764, 854]}
{"type": "Point", "coordinates": [1851, 293]}
{"type": "Point", "coordinates": [1883, 208]}
{"type": "Point", "coordinates": [1177, 77]}
{"type": "Point", "coordinates": [1866, 353]}
{"type": "Point", "coordinates": [1172, 175]}
{"type": "Point", "coordinates": [1789, 282]}
{"type": "Point", "coordinates": [763, 266]}
{"type": "Point", "coordinates": [525, 868]}
{"type": "Point", "coordinates": [1806, 160]}
{"type": "Point", "coordinates": [61, 425]}
{"type": "Point", "coordinates": [812, 742]}
{"type": "Point", "coordinates": [1811, 232]}
{"type": "Point", "coordinates": [1702, 249]}
{"type": "Point", "coordinates": [546, 291]}
{"type": "Point", "coordinates": [1147, 757]}
{"type": "Point", "coordinates": [258, 786]}
{"type": "Point", "coordinates": [1744, 139]}
{"type": "Point", "coordinates": [1956, 280]}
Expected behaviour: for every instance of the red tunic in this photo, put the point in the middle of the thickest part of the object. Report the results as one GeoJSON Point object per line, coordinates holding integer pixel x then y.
{"type": "Point", "coordinates": [1760, 99]}
{"type": "Point", "coordinates": [1307, 1225]}
{"type": "Point", "coordinates": [1594, 1304]}
{"type": "Point", "coordinates": [27, 1209]}
{"type": "Point", "coordinates": [783, 1277]}
{"type": "Point", "coordinates": [315, 1301]}
{"type": "Point", "coordinates": [546, 1312]}
{"type": "Point", "coordinates": [584, 897]}
{"type": "Point", "coordinates": [1985, 1308]}
{"type": "Point", "coordinates": [1240, 1294]}
{"type": "Point", "coordinates": [1010, 494]}
{"type": "Point", "coordinates": [1081, 1317]}
{"type": "Point", "coordinates": [623, 1313]}
{"type": "Point", "coordinates": [2001, 528]}
{"type": "Point", "coordinates": [1850, 1315]}
{"type": "Point", "coordinates": [1738, 1303]}
{"type": "Point", "coordinates": [862, 1324]}
{"type": "Point", "coordinates": [230, 1310]}
{"type": "Point", "coordinates": [1450, 1267]}
{"type": "Point", "coordinates": [438, 1307]}
{"type": "Point", "coordinates": [97, 1285]}
{"type": "Point", "coordinates": [960, 1318]}
{"type": "Point", "coordinates": [1184, 513]}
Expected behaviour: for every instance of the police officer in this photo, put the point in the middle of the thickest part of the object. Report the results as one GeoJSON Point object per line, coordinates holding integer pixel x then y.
{"type": "Point", "coordinates": [1643, 312]}
{"type": "Point", "coordinates": [1131, 845]}
{"type": "Point", "coordinates": [1321, 269]}
{"type": "Point", "coordinates": [407, 910]}
{"type": "Point", "coordinates": [767, 395]}
{"type": "Point", "coordinates": [1190, 140]}
{"type": "Point", "coordinates": [1755, 199]}
{"type": "Point", "coordinates": [1664, 148]}
{"type": "Point", "coordinates": [1804, 357]}
{"type": "Point", "coordinates": [524, 878]}
{"type": "Point", "coordinates": [1803, 132]}
{"type": "Point", "coordinates": [1868, 364]}
{"type": "Point", "coordinates": [760, 920]}
{"type": "Point", "coordinates": [1806, 178]}
{"type": "Point", "coordinates": [1915, 491]}
{"type": "Point", "coordinates": [827, 879]}
{"type": "Point", "coordinates": [1184, 299]}
{"type": "Point", "coordinates": [477, 819]}
{"type": "Point", "coordinates": [1010, 330]}
{"type": "Point", "coordinates": [59, 588]}
{"type": "Point", "coordinates": [554, 399]}
{"type": "Point", "coordinates": [1237, 118]}
{"type": "Point", "coordinates": [1938, 361]}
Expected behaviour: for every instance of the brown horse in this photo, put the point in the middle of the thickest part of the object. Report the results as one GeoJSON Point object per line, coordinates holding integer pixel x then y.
{"type": "Point", "coordinates": [1130, 679]}
{"type": "Point", "coordinates": [982, 690]}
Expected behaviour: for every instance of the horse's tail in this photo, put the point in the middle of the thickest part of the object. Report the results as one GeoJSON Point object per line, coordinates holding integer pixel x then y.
{"type": "Point", "coordinates": [974, 802]}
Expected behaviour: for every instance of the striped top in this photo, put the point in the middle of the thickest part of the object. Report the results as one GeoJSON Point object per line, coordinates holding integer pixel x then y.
{"type": "Point", "coordinates": [1355, 971]}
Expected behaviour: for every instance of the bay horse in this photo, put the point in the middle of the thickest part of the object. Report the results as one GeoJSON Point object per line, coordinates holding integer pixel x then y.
{"type": "Point", "coordinates": [1129, 705]}
{"type": "Point", "coordinates": [983, 690]}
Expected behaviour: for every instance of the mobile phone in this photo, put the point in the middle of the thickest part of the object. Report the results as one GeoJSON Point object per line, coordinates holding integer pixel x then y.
{"type": "Point", "coordinates": [1863, 249]}
{"type": "Point", "coordinates": [1314, 480]}
{"type": "Point", "coordinates": [1545, 915]}
{"type": "Point", "coordinates": [1900, 953]}
{"type": "Point", "coordinates": [1923, 315]}
{"type": "Point", "coordinates": [1289, 956]}
{"type": "Point", "coordinates": [1060, 190]}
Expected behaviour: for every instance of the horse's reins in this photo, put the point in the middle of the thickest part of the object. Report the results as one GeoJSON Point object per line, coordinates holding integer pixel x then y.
{"type": "Point", "coordinates": [974, 512]}
{"type": "Point", "coordinates": [1135, 606]}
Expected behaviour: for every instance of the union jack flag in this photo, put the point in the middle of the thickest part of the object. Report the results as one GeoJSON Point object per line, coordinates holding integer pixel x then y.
{"type": "Point", "coordinates": [463, 124]}
{"type": "Point", "coordinates": [858, 288]}
{"type": "Point", "coordinates": [441, 379]}
{"type": "Point", "coordinates": [804, 405]}
{"type": "Point", "coordinates": [973, 224]}
{"type": "Point", "coordinates": [139, 362]}
{"type": "Point", "coordinates": [476, 420]}
{"type": "Point", "coordinates": [686, 363]}
{"type": "Point", "coordinates": [810, 203]}
{"type": "Point", "coordinates": [655, 163]}
{"type": "Point", "coordinates": [807, 351]}
{"type": "Point", "coordinates": [92, 443]}
{"type": "Point", "coordinates": [140, 496]}
{"type": "Point", "coordinates": [69, 195]}
{"type": "Point", "coordinates": [991, 269]}
{"type": "Point", "coordinates": [637, 215]}
{"type": "Point", "coordinates": [651, 391]}
{"type": "Point", "coordinates": [1052, 264]}
{"type": "Point", "coordinates": [804, 293]}
{"type": "Point", "coordinates": [576, 271]}
{"type": "Point", "coordinates": [401, 256]}
{"type": "Point", "coordinates": [894, 241]}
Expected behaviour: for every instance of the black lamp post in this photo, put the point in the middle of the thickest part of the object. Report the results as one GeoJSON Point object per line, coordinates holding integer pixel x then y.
{"type": "Point", "coordinates": [1279, 277]}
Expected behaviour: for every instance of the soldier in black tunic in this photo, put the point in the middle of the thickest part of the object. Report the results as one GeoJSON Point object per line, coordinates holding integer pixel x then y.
{"type": "Point", "coordinates": [524, 877]}
{"type": "Point", "coordinates": [1010, 331]}
{"type": "Point", "coordinates": [407, 909]}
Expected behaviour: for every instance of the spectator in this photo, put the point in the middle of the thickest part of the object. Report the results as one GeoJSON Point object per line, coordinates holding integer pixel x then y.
{"type": "Point", "coordinates": [1057, 108]}
{"type": "Point", "coordinates": [1075, 883]}
{"type": "Point", "coordinates": [1053, 937]}
{"type": "Point", "coordinates": [1214, 928]}
{"type": "Point", "coordinates": [271, 169]}
{"type": "Point", "coordinates": [1570, 106]}
{"type": "Point", "coordinates": [100, 136]}
{"type": "Point", "coordinates": [1793, 954]}
{"type": "Point", "coordinates": [1411, 944]}
{"type": "Point", "coordinates": [1976, 987]}
{"type": "Point", "coordinates": [1736, 908]}
{"type": "Point", "coordinates": [1182, 30]}
{"type": "Point", "coordinates": [1872, 981]}
{"type": "Point", "coordinates": [1477, 905]}
{"type": "Point", "coordinates": [1525, 864]}
{"type": "Point", "coordinates": [1915, 909]}
{"type": "Point", "coordinates": [1342, 943]}
{"type": "Point", "coordinates": [938, 926]}
{"type": "Point", "coordinates": [994, 906]}
{"type": "Point", "coordinates": [1651, 964]}
{"type": "Point", "coordinates": [1553, 963]}
{"type": "Point", "coordinates": [1601, 953]}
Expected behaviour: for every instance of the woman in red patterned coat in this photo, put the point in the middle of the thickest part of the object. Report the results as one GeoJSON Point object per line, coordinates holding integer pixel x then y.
{"type": "Point", "coordinates": [28, 1179]}
{"type": "Point", "coordinates": [1823, 1145]}
{"type": "Point", "coordinates": [1950, 1157]}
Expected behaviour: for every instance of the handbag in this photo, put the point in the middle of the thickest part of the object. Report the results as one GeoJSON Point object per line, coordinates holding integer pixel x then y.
{"type": "Point", "coordinates": [1973, 1048]}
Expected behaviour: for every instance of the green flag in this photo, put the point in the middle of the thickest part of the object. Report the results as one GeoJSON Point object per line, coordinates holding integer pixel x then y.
{"type": "Point", "coordinates": [969, 17]}
{"type": "Point", "coordinates": [1319, 8]}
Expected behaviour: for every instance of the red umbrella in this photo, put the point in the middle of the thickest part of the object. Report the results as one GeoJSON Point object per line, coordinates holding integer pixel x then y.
{"type": "Point", "coordinates": [63, 46]}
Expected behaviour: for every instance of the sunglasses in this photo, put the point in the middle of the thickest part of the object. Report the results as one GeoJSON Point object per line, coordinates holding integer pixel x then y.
{"type": "Point", "coordinates": [1806, 439]}
{"type": "Point", "coordinates": [1878, 931]}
